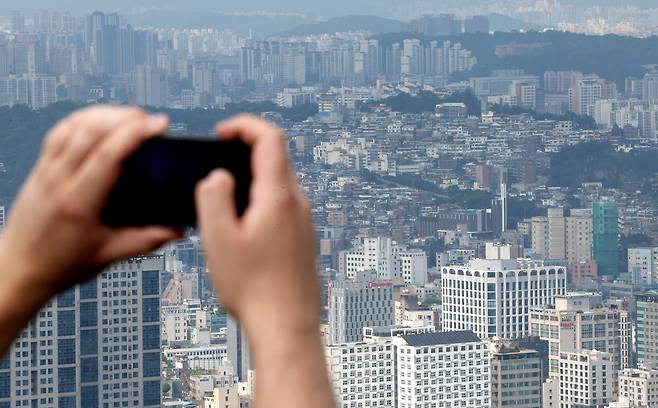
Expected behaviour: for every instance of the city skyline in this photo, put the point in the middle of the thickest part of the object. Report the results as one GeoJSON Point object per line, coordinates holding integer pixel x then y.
{"type": "Point", "coordinates": [485, 202]}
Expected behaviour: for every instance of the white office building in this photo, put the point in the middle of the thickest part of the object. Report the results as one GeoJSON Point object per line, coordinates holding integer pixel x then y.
{"type": "Point", "coordinates": [205, 357]}
{"type": "Point", "coordinates": [388, 258]}
{"type": "Point", "coordinates": [493, 296]}
{"type": "Point", "coordinates": [585, 379]}
{"type": "Point", "coordinates": [357, 303]}
{"type": "Point", "coordinates": [643, 265]}
{"type": "Point", "coordinates": [413, 265]}
{"type": "Point", "coordinates": [447, 369]}
{"type": "Point", "coordinates": [638, 387]}
{"type": "Point", "coordinates": [97, 345]}
{"type": "Point", "coordinates": [363, 373]}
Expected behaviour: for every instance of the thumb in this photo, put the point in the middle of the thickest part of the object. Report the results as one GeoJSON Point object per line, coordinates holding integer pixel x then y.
{"type": "Point", "coordinates": [215, 201]}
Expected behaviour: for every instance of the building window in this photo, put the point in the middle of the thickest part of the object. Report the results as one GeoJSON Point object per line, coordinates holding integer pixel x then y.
{"type": "Point", "coordinates": [150, 283]}
{"type": "Point", "coordinates": [89, 396]}
{"type": "Point", "coordinates": [151, 339]}
{"type": "Point", "coordinates": [152, 393]}
{"type": "Point", "coordinates": [66, 323]}
{"type": "Point", "coordinates": [66, 380]}
{"type": "Point", "coordinates": [89, 370]}
{"type": "Point", "coordinates": [88, 342]}
{"type": "Point", "coordinates": [66, 402]}
{"type": "Point", "coordinates": [151, 364]}
{"type": "Point", "coordinates": [151, 310]}
{"type": "Point", "coordinates": [88, 314]}
{"type": "Point", "coordinates": [66, 351]}
{"type": "Point", "coordinates": [88, 290]}
{"type": "Point", "coordinates": [66, 299]}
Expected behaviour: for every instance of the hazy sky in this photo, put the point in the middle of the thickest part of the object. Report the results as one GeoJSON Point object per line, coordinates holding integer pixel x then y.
{"type": "Point", "coordinates": [333, 7]}
{"type": "Point", "coordinates": [322, 8]}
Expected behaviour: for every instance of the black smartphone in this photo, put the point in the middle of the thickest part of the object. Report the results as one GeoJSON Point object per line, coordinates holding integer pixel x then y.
{"type": "Point", "coordinates": [158, 181]}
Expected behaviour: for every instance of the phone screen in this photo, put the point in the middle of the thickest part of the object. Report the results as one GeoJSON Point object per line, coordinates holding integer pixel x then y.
{"type": "Point", "coordinates": [158, 181]}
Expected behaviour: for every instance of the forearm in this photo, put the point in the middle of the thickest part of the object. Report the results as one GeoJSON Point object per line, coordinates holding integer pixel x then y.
{"type": "Point", "coordinates": [20, 297]}
{"type": "Point", "coordinates": [290, 369]}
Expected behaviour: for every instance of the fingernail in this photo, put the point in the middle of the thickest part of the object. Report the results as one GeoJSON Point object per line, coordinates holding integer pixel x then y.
{"type": "Point", "coordinates": [155, 122]}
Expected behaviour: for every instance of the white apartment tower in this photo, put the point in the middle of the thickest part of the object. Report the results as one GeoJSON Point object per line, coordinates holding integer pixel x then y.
{"type": "Point", "coordinates": [558, 237]}
{"type": "Point", "coordinates": [579, 236]}
{"type": "Point", "coordinates": [97, 345]}
{"type": "Point", "coordinates": [447, 369]}
{"type": "Point", "coordinates": [388, 258]}
{"type": "Point", "coordinates": [357, 303]}
{"type": "Point", "coordinates": [643, 265]}
{"type": "Point", "coordinates": [363, 373]}
{"type": "Point", "coordinates": [585, 379]}
{"type": "Point", "coordinates": [492, 297]}
{"type": "Point", "coordinates": [639, 387]}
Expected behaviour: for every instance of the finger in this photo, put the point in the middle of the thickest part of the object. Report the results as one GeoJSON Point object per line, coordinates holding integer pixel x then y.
{"type": "Point", "coordinates": [55, 140]}
{"type": "Point", "coordinates": [93, 125]}
{"type": "Point", "coordinates": [269, 151]}
{"type": "Point", "coordinates": [137, 241]}
{"type": "Point", "coordinates": [100, 171]}
{"type": "Point", "coordinates": [215, 200]}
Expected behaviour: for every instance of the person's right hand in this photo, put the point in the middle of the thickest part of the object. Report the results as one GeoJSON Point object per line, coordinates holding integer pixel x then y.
{"type": "Point", "coordinates": [263, 264]}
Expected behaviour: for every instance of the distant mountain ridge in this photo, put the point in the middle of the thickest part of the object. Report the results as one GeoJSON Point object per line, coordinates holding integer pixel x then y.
{"type": "Point", "coordinates": [371, 24]}
{"type": "Point", "coordinates": [378, 25]}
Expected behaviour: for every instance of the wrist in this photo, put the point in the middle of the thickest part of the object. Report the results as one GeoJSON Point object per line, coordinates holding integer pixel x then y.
{"type": "Point", "coordinates": [22, 294]}
{"type": "Point", "coordinates": [264, 322]}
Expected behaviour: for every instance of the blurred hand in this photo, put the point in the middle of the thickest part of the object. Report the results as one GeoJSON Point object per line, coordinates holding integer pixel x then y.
{"type": "Point", "coordinates": [54, 235]}
{"type": "Point", "coordinates": [263, 264]}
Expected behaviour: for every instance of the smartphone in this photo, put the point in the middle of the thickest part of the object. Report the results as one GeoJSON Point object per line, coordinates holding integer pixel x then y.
{"type": "Point", "coordinates": [158, 181]}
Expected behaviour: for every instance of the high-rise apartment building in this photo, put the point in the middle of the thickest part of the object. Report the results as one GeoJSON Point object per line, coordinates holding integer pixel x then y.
{"type": "Point", "coordinates": [650, 86]}
{"type": "Point", "coordinates": [584, 95]}
{"type": "Point", "coordinates": [646, 330]}
{"type": "Point", "coordinates": [388, 258]}
{"type": "Point", "coordinates": [36, 91]}
{"type": "Point", "coordinates": [3, 217]}
{"type": "Point", "coordinates": [639, 387]}
{"type": "Point", "coordinates": [585, 379]}
{"type": "Point", "coordinates": [561, 237]}
{"type": "Point", "coordinates": [150, 86]}
{"type": "Point", "coordinates": [643, 265]}
{"type": "Point", "coordinates": [515, 376]}
{"type": "Point", "coordinates": [363, 373]}
{"type": "Point", "coordinates": [410, 367]}
{"type": "Point", "coordinates": [442, 369]}
{"type": "Point", "coordinates": [606, 237]}
{"type": "Point", "coordinates": [579, 236]}
{"type": "Point", "coordinates": [357, 303]}
{"type": "Point", "coordinates": [524, 94]}
{"type": "Point", "coordinates": [493, 296]}
{"type": "Point", "coordinates": [582, 322]}
{"type": "Point", "coordinates": [97, 345]}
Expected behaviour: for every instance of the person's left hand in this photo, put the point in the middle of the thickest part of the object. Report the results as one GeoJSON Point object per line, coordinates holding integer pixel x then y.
{"type": "Point", "coordinates": [54, 236]}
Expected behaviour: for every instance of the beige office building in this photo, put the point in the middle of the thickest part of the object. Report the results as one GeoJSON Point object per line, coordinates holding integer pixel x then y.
{"type": "Point", "coordinates": [515, 376]}
{"type": "Point", "coordinates": [558, 237]}
{"type": "Point", "coordinates": [582, 322]}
